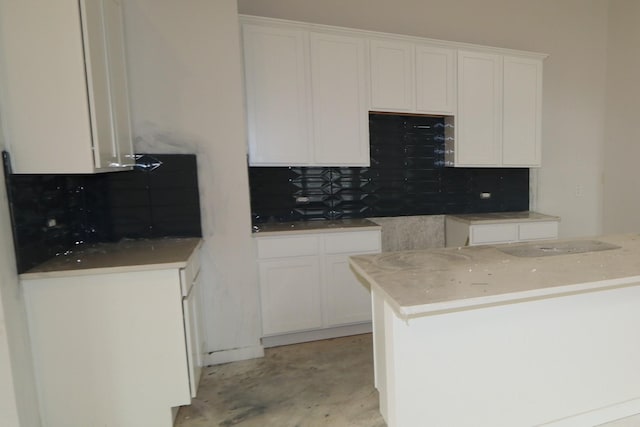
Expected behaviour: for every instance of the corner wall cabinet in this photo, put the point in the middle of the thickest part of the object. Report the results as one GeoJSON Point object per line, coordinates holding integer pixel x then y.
{"type": "Point", "coordinates": [306, 284]}
{"type": "Point", "coordinates": [310, 88]}
{"type": "Point", "coordinates": [306, 96]}
{"type": "Point", "coordinates": [116, 348]}
{"type": "Point", "coordinates": [65, 105]}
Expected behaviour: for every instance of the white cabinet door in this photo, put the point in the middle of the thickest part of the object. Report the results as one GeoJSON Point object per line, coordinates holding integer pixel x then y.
{"type": "Point", "coordinates": [63, 98]}
{"type": "Point", "coordinates": [479, 120]}
{"type": "Point", "coordinates": [406, 77]}
{"type": "Point", "coordinates": [522, 112]}
{"type": "Point", "coordinates": [290, 295]}
{"type": "Point", "coordinates": [346, 299]}
{"type": "Point", "coordinates": [339, 95]}
{"type": "Point", "coordinates": [392, 76]}
{"type": "Point", "coordinates": [435, 80]}
{"type": "Point", "coordinates": [194, 334]}
{"type": "Point", "coordinates": [277, 90]}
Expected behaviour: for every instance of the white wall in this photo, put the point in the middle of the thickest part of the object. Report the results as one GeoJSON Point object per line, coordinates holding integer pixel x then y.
{"type": "Point", "coordinates": [622, 146]}
{"type": "Point", "coordinates": [573, 32]}
{"type": "Point", "coordinates": [18, 399]}
{"type": "Point", "coordinates": [186, 94]}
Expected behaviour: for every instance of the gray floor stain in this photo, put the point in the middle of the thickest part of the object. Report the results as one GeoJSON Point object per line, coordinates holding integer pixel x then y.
{"type": "Point", "coordinates": [322, 383]}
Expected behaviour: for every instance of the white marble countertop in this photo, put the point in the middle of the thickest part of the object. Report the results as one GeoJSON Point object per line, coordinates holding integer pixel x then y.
{"type": "Point", "coordinates": [423, 282]}
{"type": "Point", "coordinates": [309, 227]}
{"type": "Point", "coordinates": [502, 217]}
{"type": "Point", "coordinates": [125, 255]}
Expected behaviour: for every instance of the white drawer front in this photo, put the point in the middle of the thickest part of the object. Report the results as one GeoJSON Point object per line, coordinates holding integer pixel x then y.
{"type": "Point", "coordinates": [538, 230]}
{"type": "Point", "coordinates": [279, 247]}
{"type": "Point", "coordinates": [493, 233]}
{"type": "Point", "coordinates": [350, 242]}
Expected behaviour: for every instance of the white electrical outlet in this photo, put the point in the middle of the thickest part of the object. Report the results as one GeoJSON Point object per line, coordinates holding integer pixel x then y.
{"type": "Point", "coordinates": [485, 195]}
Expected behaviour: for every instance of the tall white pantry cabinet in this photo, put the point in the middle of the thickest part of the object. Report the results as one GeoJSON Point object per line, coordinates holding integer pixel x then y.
{"type": "Point", "coordinates": [65, 98]}
{"type": "Point", "coordinates": [311, 87]}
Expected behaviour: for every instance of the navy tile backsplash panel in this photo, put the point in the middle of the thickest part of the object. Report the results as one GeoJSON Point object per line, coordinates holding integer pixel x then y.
{"type": "Point", "coordinates": [406, 177]}
{"type": "Point", "coordinates": [145, 202]}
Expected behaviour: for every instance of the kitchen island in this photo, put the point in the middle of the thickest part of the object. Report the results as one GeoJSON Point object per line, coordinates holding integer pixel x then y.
{"type": "Point", "coordinates": [529, 334]}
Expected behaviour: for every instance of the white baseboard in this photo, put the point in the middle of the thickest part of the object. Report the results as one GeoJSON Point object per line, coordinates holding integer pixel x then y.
{"type": "Point", "coordinates": [319, 334]}
{"type": "Point", "coordinates": [233, 355]}
{"type": "Point", "coordinates": [599, 416]}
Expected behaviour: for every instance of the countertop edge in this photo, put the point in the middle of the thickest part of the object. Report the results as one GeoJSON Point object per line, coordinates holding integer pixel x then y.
{"type": "Point", "coordinates": [315, 231]}
{"type": "Point", "coordinates": [430, 309]}
{"type": "Point", "coordinates": [541, 218]}
{"type": "Point", "coordinates": [113, 269]}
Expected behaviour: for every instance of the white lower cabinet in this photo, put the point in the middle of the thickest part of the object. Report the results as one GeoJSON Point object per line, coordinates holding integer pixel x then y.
{"type": "Point", "coordinates": [460, 233]}
{"type": "Point", "coordinates": [290, 294]}
{"type": "Point", "coordinates": [306, 283]}
{"type": "Point", "coordinates": [115, 349]}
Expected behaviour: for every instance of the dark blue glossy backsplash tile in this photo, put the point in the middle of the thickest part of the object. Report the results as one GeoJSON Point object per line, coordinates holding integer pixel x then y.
{"type": "Point", "coordinates": [142, 203]}
{"type": "Point", "coordinates": [406, 177]}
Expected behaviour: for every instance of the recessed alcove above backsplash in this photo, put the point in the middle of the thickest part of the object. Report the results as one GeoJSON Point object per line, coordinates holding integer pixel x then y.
{"type": "Point", "coordinates": [406, 177]}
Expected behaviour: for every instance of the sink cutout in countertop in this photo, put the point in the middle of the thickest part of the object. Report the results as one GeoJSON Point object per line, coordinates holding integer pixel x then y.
{"type": "Point", "coordinates": [559, 248]}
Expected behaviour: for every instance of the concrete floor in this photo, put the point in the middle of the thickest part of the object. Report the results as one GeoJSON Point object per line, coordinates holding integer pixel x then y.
{"type": "Point", "coordinates": [321, 383]}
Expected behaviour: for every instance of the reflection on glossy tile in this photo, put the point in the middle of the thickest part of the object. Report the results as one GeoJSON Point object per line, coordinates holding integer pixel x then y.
{"type": "Point", "coordinates": [52, 213]}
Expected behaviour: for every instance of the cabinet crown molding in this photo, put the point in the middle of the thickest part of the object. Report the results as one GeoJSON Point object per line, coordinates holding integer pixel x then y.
{"type": "Point", "coordinates": [302, 25]}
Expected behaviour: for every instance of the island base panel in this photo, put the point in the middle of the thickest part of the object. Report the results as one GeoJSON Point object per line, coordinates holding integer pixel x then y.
{"type": "Point", "coordinates": [564, 361]}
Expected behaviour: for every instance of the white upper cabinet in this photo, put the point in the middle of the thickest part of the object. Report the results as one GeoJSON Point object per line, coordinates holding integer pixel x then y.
{"type": "Point", "coordinates": [499, 111]}
{"type": "Point", "coordinates": [413, 78]}
{"type": "Point", "coordinates": [479, 120]}
{"type": "Point", "coordinates": [392, 76]}
{"type": "Point", "coordinates": [435, 80]}
{"type": "Point", "coordinates": [277, 90]}
{"type": "Point", "coordinates": [65, 103]}
{"type": "Point", "coordinates": [339, 93]}
{"type": "Point", "coordinates": [310, 88]}
{"type": "Point", "coordinates": [522, 111]}
{"type": "Point", "coordinates": [306, 96]}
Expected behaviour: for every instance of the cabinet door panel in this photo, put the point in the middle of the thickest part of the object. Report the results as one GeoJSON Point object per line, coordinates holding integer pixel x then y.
{"type": "Point", "coordinates": [193, 335]}
{"type": "Point", "coordinates": [352, 242]}
{"type": "Point", "coordinates": [538, 230]}
{"type": "Point", "coordinates": [290, 294]}
{"type": "Point", "coordinates": [435, 80]}
{"type": "Point", "coordinates": [346, 299]}
{"type": "Point", "coordinates": [392, 76]}
{"type": "Point", "coordinates": [276, 69]}
{"type": "Point", "coordinates": [479, 120]}
{"type": "Point", "coordinates": [493, 233]}
{"type": "Point", "coordinates": [44, 102]}
{"type": "Point", "coordinates": [340, 119]}
{"type": "Point", "coordinates": [522, 112]}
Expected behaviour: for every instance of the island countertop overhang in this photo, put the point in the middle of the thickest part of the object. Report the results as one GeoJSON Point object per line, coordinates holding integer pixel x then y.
{"type": "Point", "coordinates": [428, 282]}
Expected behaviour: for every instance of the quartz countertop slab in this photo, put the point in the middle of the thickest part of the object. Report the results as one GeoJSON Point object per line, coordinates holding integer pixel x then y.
{"type": "Point", "coordinates": [308, 227]}
{"type": "Point", "coordinates": [125, 255]}
{"type": "Point", "coordinates": [502, 217]}
{"type": "Point", "coordinates": [423, 282]}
